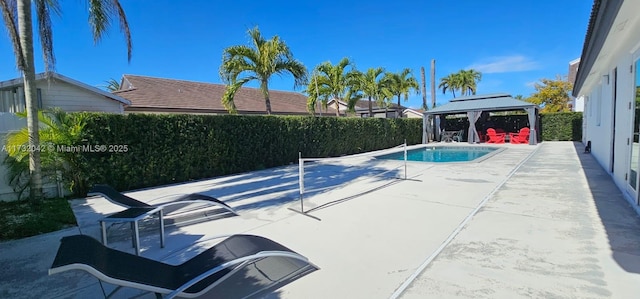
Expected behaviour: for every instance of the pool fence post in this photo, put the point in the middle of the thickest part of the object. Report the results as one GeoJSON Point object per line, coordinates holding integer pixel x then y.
{"type": "Point", "coordinates": [301, 179]}
{"type": "Point", "coordinates": [405, 159]}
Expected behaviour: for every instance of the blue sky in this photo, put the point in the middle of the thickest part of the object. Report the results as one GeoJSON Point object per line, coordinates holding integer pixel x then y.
{"type": "Point", "coordinates": [513, 43]}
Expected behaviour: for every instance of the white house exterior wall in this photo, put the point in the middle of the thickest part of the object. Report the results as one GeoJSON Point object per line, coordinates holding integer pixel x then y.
{"type": "Point", "coordinates": [599, 129]}
{"type": "Point", "coordinates": [73, 99]}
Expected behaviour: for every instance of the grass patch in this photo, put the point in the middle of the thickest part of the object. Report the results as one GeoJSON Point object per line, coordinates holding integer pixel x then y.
{"type": "Point", "coordinates": [25, 218]}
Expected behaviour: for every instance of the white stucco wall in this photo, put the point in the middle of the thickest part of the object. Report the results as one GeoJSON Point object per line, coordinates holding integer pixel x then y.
{"type": "Point", "coordinates": [599, 118]}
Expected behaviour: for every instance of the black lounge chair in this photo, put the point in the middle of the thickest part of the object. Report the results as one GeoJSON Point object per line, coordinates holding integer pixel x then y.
{"type": "Point", "coordinates": [240, 266]}
{"type": "Point", "coordinates": [118, 198]}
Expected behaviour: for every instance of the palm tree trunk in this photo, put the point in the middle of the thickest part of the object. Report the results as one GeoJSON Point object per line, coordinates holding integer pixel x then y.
{"type": "Point", "coordinates": [25, 30]}
{"type": "Point", "coordinates": [337, 107]}
{"type": "Point", "coordinates": [424, 89]}
{"type": "Point", "coordinates": [433, 85]}
{"type": "Point", "coordinates": [398, 110]}
{"type": "Point", "coordinates": [370, 107]}
{"type": "Point", "coordinates": [265, 91]}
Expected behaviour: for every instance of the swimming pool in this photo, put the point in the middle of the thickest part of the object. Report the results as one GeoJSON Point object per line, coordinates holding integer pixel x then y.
{"type": "Point", "coordinates": [442, 154]}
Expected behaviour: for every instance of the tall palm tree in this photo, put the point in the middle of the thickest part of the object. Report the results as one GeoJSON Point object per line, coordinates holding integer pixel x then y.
{"type": "Point", "coordinates": [259, 61]}
{"type": "Point", "coordinates": [450, 82]}
{"type": "Point", "coordinates": [469, 81]}
{"type": "Point", "coordinates": [373, 86]}
{"type": "Point", "coordinates": [401, 84]}
{"type": "Point", "coordinates": [16, 15]}
{"type": "Point", "coordinates": [331, 82]}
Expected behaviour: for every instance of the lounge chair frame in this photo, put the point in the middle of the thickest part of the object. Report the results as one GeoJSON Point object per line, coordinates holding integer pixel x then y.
{"type": "Point", "coordinates": [66, 260]}
{"type": "Point", "coordinates": [120, 199]}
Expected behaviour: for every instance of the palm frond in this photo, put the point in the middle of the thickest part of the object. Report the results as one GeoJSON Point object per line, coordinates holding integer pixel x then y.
{"type": "Point", "coordinates": [10, 17]}
{"type": "Point", "coordinates": [43, 11]}
{"type": "Point", "coordinates": [100, 14]}
{"type": "Point", "coordinates": [229, 93]}
{"type": "Point", "coordinates": [124, 27]}
{"type": "Point", "coordinates": [99, 17]}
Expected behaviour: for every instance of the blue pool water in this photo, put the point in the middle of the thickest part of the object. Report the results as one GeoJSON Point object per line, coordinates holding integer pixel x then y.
{"type": "Point", "coordinates": [441, 154]}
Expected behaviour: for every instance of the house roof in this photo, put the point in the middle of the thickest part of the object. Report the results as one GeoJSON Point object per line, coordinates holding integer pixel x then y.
{"type": "Point", "coordinates": [159, 94]}
{"type": "Point", "coordinates": [55, 76]}
{"type": "Point", "coordinates": [573, 70]}
{"type": "Point", "coordinates": [418, 112]}
{"type": "Point", "coordinates": [359, 103]}
{"type": "Point", "coordinates": [603, 14]}
{"type": "Point", "coordinates": [487, 102]}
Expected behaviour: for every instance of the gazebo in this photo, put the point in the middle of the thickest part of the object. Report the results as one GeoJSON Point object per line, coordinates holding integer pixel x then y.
{"type": "Point", "coordinates": [474, 105]}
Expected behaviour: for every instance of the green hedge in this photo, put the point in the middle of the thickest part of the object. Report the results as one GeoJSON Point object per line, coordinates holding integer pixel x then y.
{"type": "Point", "coordinates": [163, 149]}
{"type": "Point", "coordinates": [562, 126]}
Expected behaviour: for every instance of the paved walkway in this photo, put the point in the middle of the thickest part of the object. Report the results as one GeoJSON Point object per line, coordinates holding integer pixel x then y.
{"type": "Point", "coordinates": [558, 228]}
{"type": "Point", "coordinates": [530, 222]}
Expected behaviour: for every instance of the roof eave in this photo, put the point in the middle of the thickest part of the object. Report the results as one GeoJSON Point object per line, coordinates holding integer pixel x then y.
{"type": "Point", "coordinates": [430, 112]}
{"type": "Point", "coordinates": [603, 14]}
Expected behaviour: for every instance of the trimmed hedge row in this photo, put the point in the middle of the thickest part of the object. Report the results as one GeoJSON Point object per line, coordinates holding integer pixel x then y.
{"type": "Point", "coordinates": [561, 126]}
{"type": "Point", "coordinates": [143, 150]}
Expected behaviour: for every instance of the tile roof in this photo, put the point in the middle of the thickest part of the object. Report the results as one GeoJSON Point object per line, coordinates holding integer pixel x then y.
{"type": "Point", "coordinates": [158, 94]}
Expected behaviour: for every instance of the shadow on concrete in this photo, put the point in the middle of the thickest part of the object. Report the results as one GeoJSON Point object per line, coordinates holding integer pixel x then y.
{"type": "Point", "coordinates": [318, 178]}
{"type": "Point", "coordinates": [619, 219]}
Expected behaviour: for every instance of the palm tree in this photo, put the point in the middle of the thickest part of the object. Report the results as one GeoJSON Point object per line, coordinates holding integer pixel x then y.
{"type": "Point", "coordinates": [469, 81]}
{"type": "Point", "coordinates": [17, 19]}
{"type": "Point", "coordinates": [373, 86]}
{"type": "Point", "coordinates": [450, 82]}
{"type": "Point", "coordinates": [261, 60]}
{"type": "Point", "coordinates": [401, 84]}
{"type": "Point", "coordinates": [332, 81]}
{"type": "Point", "coordinates": [59, 129]}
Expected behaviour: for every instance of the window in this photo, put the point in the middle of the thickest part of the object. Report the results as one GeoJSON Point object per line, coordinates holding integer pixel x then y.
{"type": "Point", "coordinates": [12, 100]}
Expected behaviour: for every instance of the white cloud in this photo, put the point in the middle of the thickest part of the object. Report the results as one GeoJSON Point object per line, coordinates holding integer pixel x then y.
{"type": "Point", "coordinates": [531, 84]}
{"type": "Point", "coordinates": [505, 64]}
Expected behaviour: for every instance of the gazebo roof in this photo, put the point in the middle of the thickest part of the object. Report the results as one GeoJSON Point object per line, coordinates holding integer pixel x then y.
{"type": "Point", "coordinates": [487, 102]}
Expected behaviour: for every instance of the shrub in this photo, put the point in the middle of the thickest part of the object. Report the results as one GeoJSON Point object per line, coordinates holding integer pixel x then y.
{"type": "Point", "coordinates": [163, 149]}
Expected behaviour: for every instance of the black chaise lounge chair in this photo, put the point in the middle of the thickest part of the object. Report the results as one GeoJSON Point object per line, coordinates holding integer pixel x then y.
{"type": "Point", "coordinates": [241, 266]}
{"type": "Point", "coordinates": [118, 198]}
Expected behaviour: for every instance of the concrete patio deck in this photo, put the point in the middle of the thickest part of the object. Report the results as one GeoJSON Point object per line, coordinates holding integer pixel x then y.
{"type": "Point", "coordinates": [541, 221]}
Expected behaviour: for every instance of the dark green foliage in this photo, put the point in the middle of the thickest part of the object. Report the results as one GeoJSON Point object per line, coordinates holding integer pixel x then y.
{"type": "Point", "coordinates": [562, 126]}
{"type": "Point", "coordinates": [25, 218]}
{"type": "Point", "coordinates": [163, 149]}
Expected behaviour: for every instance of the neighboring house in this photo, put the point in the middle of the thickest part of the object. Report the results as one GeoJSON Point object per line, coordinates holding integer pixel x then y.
{"type": "Point", "coordinates": [159, 95]}
{"type": "Point", "coordinates": [391, 111]}
{"type": "Point", "coordinates": [609, 81]}
{"type": "Point", "coordinates": [343, 107]}
{"type": "Point", "coordinates": [577, 103]}
{"type": "Point", "coordinates": [57, 91]}
{"type": "Point", "coordinates": [412, 113]}
{"type": "Point", "coordinates": [362, 109]}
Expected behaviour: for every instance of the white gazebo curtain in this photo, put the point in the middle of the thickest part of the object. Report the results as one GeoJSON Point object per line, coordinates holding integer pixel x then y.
{"type": "Point", "coordinates": [473, 133]}
{"type": "Point", "coordinates": [531, 111]}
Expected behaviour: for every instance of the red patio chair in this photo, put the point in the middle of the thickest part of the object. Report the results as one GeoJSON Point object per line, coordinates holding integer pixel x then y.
{"type": "Point", "coordinates": [521, 137]}
{"type": "Point", "coordinates": [495, 137]}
